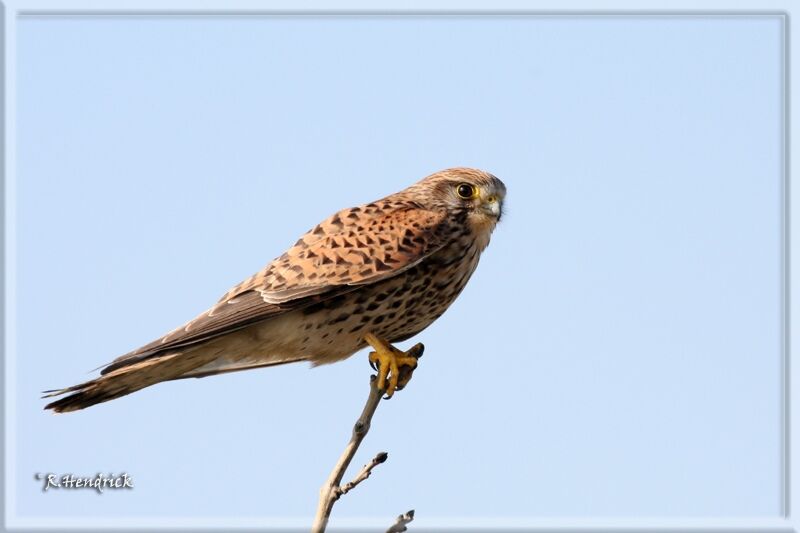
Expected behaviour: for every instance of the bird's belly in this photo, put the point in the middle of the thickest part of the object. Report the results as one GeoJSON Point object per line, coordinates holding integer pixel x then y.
{"type": "Point", "coordinates": [395, 309]}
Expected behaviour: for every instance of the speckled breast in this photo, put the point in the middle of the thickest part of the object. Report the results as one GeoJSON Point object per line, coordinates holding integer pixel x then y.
{"type": "Point", "coordinates": [395, 309]}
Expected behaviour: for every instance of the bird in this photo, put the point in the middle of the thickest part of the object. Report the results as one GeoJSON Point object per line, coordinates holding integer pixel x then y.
{"type": "Point", "coordinates": [375, 274]}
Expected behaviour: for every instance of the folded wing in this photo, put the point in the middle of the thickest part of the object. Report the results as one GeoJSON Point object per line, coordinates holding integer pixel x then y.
{"type": "Point", "coordinates": [356, 246]}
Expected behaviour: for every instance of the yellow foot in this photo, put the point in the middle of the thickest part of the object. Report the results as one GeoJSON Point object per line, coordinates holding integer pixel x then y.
{"type": "Point", "coordinates": [394, 366]}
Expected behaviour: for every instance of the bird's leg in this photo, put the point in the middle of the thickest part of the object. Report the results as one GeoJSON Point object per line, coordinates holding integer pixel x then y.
{"type": "Point", "coordinates": [394, 366]}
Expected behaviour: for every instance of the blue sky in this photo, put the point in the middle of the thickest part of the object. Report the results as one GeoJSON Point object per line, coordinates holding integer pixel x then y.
{"type": "Point", "coordinates": [617, 353]}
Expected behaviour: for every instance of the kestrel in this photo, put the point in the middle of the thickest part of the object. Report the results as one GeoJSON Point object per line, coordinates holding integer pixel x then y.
{"type": "Point", "coordinates": [375, 274]}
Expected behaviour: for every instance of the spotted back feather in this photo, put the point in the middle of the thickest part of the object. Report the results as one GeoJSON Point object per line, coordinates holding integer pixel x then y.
{"type": "Point", "coordinates": [355, 246]}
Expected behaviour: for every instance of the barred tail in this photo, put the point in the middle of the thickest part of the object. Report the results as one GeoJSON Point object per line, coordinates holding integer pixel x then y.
{"type": "Point", "coordinates": [127, 379]}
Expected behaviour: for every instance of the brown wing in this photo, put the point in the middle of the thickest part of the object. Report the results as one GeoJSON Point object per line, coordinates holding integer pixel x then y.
{"type": "Point", "coordinates": [353, 247]}
{"type": "Point", "coordinates": [356, 246]}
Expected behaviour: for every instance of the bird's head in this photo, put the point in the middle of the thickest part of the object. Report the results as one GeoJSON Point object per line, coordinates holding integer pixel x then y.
{"type": "Point", "coordinates": [463, 192]}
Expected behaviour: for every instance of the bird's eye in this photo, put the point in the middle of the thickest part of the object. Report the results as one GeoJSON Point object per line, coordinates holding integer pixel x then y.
{"type": "Point", "coordinates": [465, 191]}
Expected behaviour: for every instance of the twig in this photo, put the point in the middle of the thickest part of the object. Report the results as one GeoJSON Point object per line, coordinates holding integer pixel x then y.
{"type": "Point", "coordinates": [331, 491]}
{"type": "Point", "coordinates": [400, 525]}
{"type": "Point", "coordinates": [366, 470]}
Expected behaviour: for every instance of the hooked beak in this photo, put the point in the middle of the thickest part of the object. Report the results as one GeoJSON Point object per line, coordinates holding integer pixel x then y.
{"type": "Point", "coordinates": [493, 207]}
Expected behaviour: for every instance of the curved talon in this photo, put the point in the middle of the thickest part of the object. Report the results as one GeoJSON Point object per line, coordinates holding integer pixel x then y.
{"type": "Point", "coordinates": [395, 367]}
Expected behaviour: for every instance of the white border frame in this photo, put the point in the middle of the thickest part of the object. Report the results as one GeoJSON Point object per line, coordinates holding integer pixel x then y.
{"type": "Point", "coordinates": [12, 10]}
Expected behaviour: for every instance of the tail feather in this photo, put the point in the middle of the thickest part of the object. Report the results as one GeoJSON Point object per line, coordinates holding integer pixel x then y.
{"type": "Point", "coordinates": [125, 380]}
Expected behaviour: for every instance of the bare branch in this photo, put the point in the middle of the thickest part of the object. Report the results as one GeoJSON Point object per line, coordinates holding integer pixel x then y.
{"type": "Point", "coordinates": [331, 490]}
{"type": "Point", "coordinates": [400, 525]}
